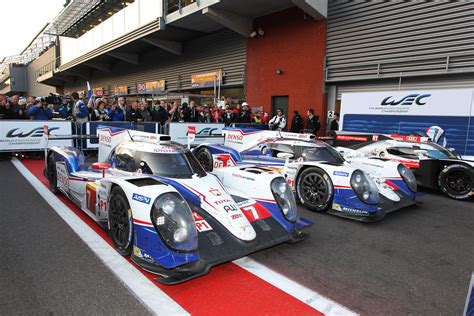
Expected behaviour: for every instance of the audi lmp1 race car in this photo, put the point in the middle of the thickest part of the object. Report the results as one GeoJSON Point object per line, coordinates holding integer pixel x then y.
{"type": "Point", "coordinates": [319, 176]}
{"type": "Point", "coordinates": [163, 209]}
{"type": "Point", "coordinates": [434, 166]}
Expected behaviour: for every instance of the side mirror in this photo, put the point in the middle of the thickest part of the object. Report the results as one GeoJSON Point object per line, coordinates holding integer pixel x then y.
{"type": "Point", "coordinates": [101, 166]}
{"type": "Point", "coordinates": [285, 155]}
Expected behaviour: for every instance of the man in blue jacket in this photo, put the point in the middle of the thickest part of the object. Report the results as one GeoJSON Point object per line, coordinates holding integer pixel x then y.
{"type": "Point", "coordinates": [40, 111]}
{"type": "Point", "coordinates": [116, 113]}
{"type": "Point", "coordinates": [80, 111]}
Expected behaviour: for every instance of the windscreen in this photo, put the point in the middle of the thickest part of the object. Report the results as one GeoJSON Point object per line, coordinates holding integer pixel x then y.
{"type": "Point", "coordinates": [322, 153]}
{"type": "Point", "coordinates": [171, 165]}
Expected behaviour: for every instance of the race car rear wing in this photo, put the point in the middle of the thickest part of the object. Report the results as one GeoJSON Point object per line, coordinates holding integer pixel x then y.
{"type": "Point", "coordinates": [348, 139]}
{"type": "Point", "coordinates": [110, 137]}
{"type": "Point", "coordinates": [245, 138]}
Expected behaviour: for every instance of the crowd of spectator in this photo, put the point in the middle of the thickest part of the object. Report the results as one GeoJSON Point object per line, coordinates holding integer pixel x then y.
{"type": "Point", "coordinates": [105, 109]}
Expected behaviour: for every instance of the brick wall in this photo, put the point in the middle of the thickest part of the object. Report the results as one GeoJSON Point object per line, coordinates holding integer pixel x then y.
{"type": "Point", "coordinates": [294, 43]}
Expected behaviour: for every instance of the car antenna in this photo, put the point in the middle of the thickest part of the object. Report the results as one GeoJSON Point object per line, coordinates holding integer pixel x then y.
{"type": "Point", "coordinates": [130, 135]}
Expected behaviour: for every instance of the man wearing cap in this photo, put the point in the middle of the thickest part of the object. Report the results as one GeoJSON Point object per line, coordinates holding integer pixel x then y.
{"type": "Point", "coordinates": [245, 113]}
{"type": "Point", "coordinates": [40, 111]}
{"type": "Point", "coordinates": [278, 122]}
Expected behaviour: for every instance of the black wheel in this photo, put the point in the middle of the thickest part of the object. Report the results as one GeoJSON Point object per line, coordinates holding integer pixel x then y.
{"type": "Point", "coordinates": [120, 222]}
{"type": "Point", "coordinates": [456, 181]}
{"type": "Point", "coordinates": [314, 189]}
{"type": "Point", "coordinates": [204, 157]}
{"type": "Point", "coordinates": [51, 174]}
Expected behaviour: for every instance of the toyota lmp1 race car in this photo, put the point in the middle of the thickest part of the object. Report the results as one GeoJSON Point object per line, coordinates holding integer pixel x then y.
{"type": "Point", "coordinates": [163, 209]}
{"type": "Point", "coordinates": [321, 179]}
{"type": "Point", "coordinates": [434, 166]}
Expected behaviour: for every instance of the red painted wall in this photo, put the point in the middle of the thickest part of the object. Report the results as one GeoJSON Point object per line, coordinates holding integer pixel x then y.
{"type": "Point", "coordinates": [295, 43]}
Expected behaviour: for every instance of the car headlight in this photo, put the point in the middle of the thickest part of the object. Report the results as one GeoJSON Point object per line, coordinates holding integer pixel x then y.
{"type": "Point", "coordinates": [174, 222]}
{"type": "Point", "coordinates": [364, 187]}
{"type": "Point", "coordinates": [284, 198]}
{"type": "Point", "coordinates": [407, 176]}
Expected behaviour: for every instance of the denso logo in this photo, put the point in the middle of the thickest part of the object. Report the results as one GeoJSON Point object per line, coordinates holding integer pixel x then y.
{"type": "Point", "coordinates": [35, 132]}
{"type": "Point", "coordinates": [105, 139]}
{"type": "Point", "coordinates": [234, 137]}
{"type": "Point", "coordinates": [407, 100]}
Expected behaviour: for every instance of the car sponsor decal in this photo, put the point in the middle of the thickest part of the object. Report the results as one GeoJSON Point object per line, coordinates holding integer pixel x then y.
{"type": "Point", "coordinates": [62, 175]}
{"type": "Point", "coordinates": [340, 173]}
{"type": "Point", "coordinates": [201, 224]}
{"type": "Point", "coordinates": [254, 211]}
{"type": "Point", "coordinates": [141, 198]}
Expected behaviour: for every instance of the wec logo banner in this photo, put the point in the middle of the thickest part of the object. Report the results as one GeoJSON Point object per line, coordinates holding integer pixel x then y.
{"type": "Point", "coordinates": [28, 135]}
{"type": "Point", "coordinates": [408, 100]}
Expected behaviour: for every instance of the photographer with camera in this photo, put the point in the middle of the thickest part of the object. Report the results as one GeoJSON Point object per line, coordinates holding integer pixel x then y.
{"type": "Point", "coordinates": [40, 111]}
{"type": "Point", "coordinates": [278, 122]}
{"type": "Point", "coordinates": [116, 113]}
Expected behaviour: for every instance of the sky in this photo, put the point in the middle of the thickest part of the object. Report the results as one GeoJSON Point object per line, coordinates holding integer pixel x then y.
{"type": "Point", "coordinates": [22, 20]}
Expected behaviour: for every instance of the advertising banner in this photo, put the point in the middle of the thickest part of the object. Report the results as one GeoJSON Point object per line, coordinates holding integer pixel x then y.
{"type": "Point", "coordinates": [150, 87]}
{"type": "Point", "coordinates": [99, 91]}
{"type": "Point", "coordinates": [412, 112]}
{"type": "Point", "coordinates": [206, 79]}
{"type": "Point", "coordinates": [28, 135]}
{"type": "Point", "coordinates": [121, 90]}
{"type": "Point", "coordinates": [204, 132]}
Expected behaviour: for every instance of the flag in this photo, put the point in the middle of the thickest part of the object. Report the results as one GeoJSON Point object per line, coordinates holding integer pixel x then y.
{"type": "Point", "coordinates": [89, 90]}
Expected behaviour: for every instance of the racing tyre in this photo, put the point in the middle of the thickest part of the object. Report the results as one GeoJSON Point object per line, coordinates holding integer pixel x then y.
{"type": "Point", "coordinates": [314, 189]}
{"type": "Point", "coordinates": [456, 181]}
{"type": "Point", "coordinates": [120, 222]}
{"type": "Point", "coordinates": [204, 157]}
{"type": "Point", "coordinates": [51, 174]}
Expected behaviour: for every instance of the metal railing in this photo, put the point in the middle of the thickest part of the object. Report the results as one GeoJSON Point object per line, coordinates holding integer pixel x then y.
{"type": "Point", "coordinates": [176, 5]}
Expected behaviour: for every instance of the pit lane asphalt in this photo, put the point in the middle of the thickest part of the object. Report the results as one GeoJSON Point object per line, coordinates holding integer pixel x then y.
{"type": "Point", "coordinates": [415, 261]}
{"type": "Point", "coordinates": [44, 267]}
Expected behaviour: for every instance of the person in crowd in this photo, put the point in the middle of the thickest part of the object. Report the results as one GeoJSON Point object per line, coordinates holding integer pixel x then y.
{"type": "Point", "coordinates": [258, 118]}
{"type": "Point", "coordinates": [100, 113]}
{"type": "Point", "coordinates": [278, 122]}
{"type": "Point", "coordinates": [335, 122]}
{"type": "Point", "coordinates": [20, 110]}
{"type": "Point", "coordinates": [174, 112]}
{"type": "Point", "coordinates": [192, 113]}
{"type": "Point", "coordinates": [121, 103]}
{"type": "Point", "coordinates": [245, 115]}
{"type": "Point", "coordinates": [159, 113]}
{"type": "Point", "coordinates": [80, 113]}
{"type": "Point", "coordinates": [143, 113]}
{"type": "Point", "coordinates": [91, 106]}
{"type": "Point", "coordinates": [65, 109]}
{"type": "Point", "coordinates": [182, 111]}
{"type": "Point", "coordinates": [264, 116]}
{"type": "Point", "coordinates": [237, 110]}
{"type": "Point", "coordinates": [204, 114]}
{"type": "Point", "coordinates": [115, 112]}
{"type": "Point", "coordinates": [215, 115]}
{"type": "Point", "coordinates": [6, 110]}
{"type": "Point", "coordinates": [296, 123]}
{"type": "Point", "coordinates": [228, 117]}
{"type": "Point", "coordinates": [40, 111]}
{"type": "Point", "coordinates": [312, 122]}
{"type": "Point", "coordinates": [132, 114]}
{"type": "Point", "coordinates": [30, 101]}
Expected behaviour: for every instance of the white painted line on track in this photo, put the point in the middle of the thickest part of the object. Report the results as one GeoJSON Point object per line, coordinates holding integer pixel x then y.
{"type": "Point", "coordinates": [144, 290]}
{"type": "Point", "coordinates": [298, 291]}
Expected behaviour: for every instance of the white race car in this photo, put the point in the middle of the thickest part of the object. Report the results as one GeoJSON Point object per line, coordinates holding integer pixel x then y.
{"type": "Point", "coordinates": [161, 207]}
{"type": "Point", "coordinates": [363, 189]}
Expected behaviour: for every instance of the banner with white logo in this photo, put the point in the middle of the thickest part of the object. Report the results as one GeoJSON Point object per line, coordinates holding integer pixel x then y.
{"type": "Point", "coordinates": [28, 135]}
{"type": "Point", "coordinates": [204, 132]}
{"type": "Point", "coordinates": [412, 112]}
